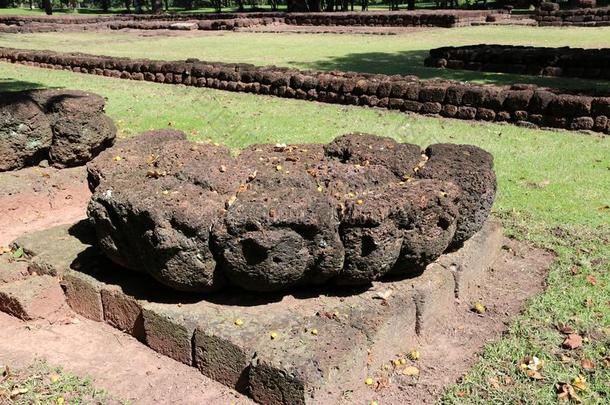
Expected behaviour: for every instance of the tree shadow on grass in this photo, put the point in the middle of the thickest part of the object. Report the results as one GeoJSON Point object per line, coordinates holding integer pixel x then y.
{"type": "Point", "coordinates": [8, 85]}
{"type": "Point", "coordinates": [412, 63]}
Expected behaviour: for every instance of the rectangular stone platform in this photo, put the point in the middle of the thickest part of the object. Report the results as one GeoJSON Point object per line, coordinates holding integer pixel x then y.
{"type": "Point", "coordinates": [304, 347]}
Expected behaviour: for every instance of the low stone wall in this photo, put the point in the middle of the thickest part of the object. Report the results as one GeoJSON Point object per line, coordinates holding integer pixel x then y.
{"type": "Point", "coordinates": [526, 105]}
{"type": "Point", "coordinates": [206, 25]}
{"type": "Point", "coordinates": [26, 19]}
{"type": "Point", "coordinates": [67, 128]}
{"type": "Point", "coordinates": [549, 15]}
{"type": "Point", "coordinates": [539, 61]}
{"type": "Point", "coordinates": [424, 18]}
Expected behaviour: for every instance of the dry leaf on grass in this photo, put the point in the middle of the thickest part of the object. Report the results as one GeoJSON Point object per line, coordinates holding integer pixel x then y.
{"type": "Point", "coordinates": [575, 271]}
{"type": "Point", "coordinates": [573, 341]}
{"type": "Point", "coordinates": [565, 329]}
{"type": "Point", "coordinates": [591, 279]}
{"type": "Point", "coordinates": [18, 391]}
{"type": "Point", "coordinates": [587, 364]}
{"type": "Point", "coordinates": [567, 392]}
{"type": "Point", "coordinates": [580, 383]}
{"type": "Point", "coordinates": [531, 366]}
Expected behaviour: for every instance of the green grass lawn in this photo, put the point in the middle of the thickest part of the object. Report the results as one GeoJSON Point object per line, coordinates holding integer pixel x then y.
{"type": "Point", "coordinates": [401, 54]}
{"type": "Point", "coordinates": [554, 190]}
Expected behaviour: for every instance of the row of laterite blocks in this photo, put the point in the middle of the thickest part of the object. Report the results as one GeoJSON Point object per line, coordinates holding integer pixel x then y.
{"type": "Point", "coordinates": [526, 105]}
{"type": "Point", "coordinates": [543, 61]}
{"type": "Point", "coordinates": [550, 15]}
{"type": "Point", "coordinates": [435, 18]}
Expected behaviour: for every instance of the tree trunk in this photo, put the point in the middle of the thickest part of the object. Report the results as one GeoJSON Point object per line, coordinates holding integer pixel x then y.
{"type": "Point", "coordinates": [48, 6]}
{"type": "Point", "coordinates": [411, 4]}
{"type": "Point", "coordinates": [105, 5]}
{"type": "Point", "coordinates": [156, 6]}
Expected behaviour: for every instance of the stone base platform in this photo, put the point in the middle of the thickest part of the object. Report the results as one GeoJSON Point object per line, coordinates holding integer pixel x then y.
{"type": "Point", "coordinates": [307, 346]}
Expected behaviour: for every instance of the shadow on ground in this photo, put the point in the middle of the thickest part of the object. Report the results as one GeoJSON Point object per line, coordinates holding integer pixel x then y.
{"type": "Point", "coordinates": [19, 85]}
{"type": "Point", "coordinates": [412, 63]}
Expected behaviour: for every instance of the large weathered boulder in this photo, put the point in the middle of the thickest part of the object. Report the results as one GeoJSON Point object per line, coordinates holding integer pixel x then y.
{"type": "Point", "coordinates": [363, 207]}
{"type": "Point", "coordinates": [66, 127]}
{"type": "Point", "coordinates": [25, 131]}
{"type": "Point", "coordinates": [81, 130]}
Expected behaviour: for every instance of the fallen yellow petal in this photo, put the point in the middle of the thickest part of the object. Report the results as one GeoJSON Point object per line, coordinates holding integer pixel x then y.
{"type": "Point", "coordinates": [369, 381]}
{"type": "Point", "coordinates": [410, 371]}
{"type": "Point", "coordinates": [238, 322]}
{"type": "Point", "coordinates": [478, 308]}
{"type": "Point", "coordinates": [414, 355]}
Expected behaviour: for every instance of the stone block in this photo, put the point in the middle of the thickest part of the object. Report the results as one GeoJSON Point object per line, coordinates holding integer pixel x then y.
{"type": "Point", "coordinates": [56, 250]}
{"type": "Point", "coordinates": [36, 297]}
{"type": "Point", "coordinates": [83, 294]}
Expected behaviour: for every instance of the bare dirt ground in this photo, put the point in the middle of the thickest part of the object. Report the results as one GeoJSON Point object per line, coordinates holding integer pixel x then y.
{"type": "Point", "coordinates": [518, 274]}
{"type": "Point", "coordinates": [37, 198]}
{"type": "Point", "coordinates": [115, 361]}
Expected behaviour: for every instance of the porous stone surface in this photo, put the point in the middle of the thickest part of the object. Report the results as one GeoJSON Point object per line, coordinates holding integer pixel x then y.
{"type": "Point", "coordinates": [363, 207]}
{"type": "Point", "coordinates": [66, 127]}
{"type": "Point", "coordinates": [25, 131]}
{"type": "Point", "coordinates": [471, 169]}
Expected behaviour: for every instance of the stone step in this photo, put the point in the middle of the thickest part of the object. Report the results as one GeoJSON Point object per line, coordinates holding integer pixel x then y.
{"type": "Point", "coordinates": [36, 297]}
{"type": "Point", "coordinates": [307, 346]}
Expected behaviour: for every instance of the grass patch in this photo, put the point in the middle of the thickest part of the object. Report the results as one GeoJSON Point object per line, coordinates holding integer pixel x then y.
{"type": "Point", "coordinates": [40, 383]}
{"type": "Point", "coordinates": [401, 54]}
{"type": "Point", "coordinates": [554, 191]}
